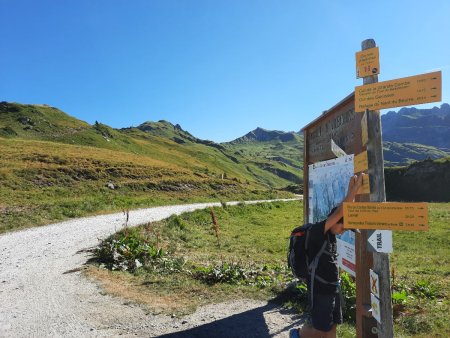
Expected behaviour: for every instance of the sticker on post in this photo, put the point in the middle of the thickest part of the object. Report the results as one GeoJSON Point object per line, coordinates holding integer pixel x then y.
{"type": "Point", "coordinates": [375, 307]}
{"type": "Point", "coordinates": [374, 284]}
{"type": "Point", "coordinates": [380, 241]}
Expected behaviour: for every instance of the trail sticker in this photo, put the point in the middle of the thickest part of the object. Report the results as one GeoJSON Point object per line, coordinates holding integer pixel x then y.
{"type": "Point", "coordinates": [375, 306]}
{"type": "Point", "coordinates": [374, 284]}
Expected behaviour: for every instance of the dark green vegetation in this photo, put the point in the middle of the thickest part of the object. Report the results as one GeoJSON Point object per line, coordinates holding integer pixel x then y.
{"type": "Point", "coordinates": [55, 167]}
{"type": "Point", "coordinates": [422, 181]}
{"type": "Point", "coordinates": [400, 154]}
{"type": "Point", "coordinates": [421, 268]}
{"type": "Point", "coordinates": [186, 260]}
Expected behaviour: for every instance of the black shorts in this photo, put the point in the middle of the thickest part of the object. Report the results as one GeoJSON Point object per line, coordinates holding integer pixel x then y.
{"type": "Point", "coordinates": [326, 311]}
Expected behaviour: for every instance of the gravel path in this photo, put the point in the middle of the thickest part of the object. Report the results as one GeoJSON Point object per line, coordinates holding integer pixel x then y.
{"type": "Point", "coordinates": [42, 293]}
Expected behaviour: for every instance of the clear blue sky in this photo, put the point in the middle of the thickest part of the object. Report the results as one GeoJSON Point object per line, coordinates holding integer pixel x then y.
{"type": "Point", "coordinates": [219, 68]}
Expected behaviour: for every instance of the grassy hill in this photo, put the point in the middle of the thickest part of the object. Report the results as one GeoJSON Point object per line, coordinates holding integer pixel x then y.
{"type": "Point", "coordinates": [55, 166]}
{"type": "Point", "coordinates": [275, 151]}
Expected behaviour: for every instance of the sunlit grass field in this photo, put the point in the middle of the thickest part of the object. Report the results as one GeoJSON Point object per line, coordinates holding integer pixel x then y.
{"type": "Point", "coordinates": [43, 182]}
{"type": "Point", "coordinates": [245, 256]}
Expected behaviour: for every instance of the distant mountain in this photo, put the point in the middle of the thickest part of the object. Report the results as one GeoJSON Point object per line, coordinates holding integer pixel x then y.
{"type": "Point", "coordinates": [278, 152]}
{"type": "Point", "coordinates": [429, 127]}
{"type": "Point", "coordinates": [400, 154]}
{"type": "Point", "coordinates": [263, 135]}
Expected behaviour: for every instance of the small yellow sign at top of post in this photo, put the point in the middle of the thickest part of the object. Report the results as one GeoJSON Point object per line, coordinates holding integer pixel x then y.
{"type": "Point", "coordinates": [368, 62]}
{"type": "Point", "coordinates": [386, 216]}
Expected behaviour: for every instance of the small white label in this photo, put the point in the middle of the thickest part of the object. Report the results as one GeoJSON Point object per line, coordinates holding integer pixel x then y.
{"type": "Point", "coordinates": [374, 284]}
{"type": "Point", "coordinates": [375, 305]}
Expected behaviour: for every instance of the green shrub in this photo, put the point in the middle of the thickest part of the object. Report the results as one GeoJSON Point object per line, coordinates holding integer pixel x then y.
{"type": "Point", "coordinates": [424, 289]}
{"type": "Point", "coordinates": [235, 274]}
{"type": "Point", "coordinates": [128, 251]}
{"type": "Point", "coordinates": [348, 290]}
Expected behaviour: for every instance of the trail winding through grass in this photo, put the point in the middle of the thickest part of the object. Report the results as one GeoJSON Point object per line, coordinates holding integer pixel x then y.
{"type": "Point", "coordinates": [43, 293]}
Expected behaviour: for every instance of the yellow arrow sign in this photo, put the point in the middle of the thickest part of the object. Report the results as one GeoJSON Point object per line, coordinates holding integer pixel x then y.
{"type": "Point", "coordinates": [385, 216]}
{"type": "Point", "coordinates": [406, 91]}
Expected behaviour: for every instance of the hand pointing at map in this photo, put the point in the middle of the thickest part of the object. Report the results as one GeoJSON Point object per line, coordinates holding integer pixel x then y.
{"type": "Point", "coordinates": [334, 220]}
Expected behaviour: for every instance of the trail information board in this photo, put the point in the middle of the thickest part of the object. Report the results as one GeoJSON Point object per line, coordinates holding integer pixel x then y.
{"type": "Point", "coordinates": [406, 91]}
{"type": "Point", "coordinates": [386, 216]}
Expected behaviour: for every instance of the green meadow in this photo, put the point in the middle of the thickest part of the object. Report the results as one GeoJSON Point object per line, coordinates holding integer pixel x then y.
{"type": "Point", "coordinates": [187, 261]}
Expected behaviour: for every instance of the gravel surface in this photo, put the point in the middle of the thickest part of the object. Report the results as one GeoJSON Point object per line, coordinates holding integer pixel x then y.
{"type": "Point", "coordinates": [43, 293]}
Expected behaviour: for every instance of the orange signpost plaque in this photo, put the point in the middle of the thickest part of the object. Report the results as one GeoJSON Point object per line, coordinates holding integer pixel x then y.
{"type": "Point", "coordinates": [406, 91]}
{"type": "Point", "coordinates": [368, 62]}
{"type": "Point", "coordinates": [386, 216]}
{"type": "Point", "coordinates": [361, 162]}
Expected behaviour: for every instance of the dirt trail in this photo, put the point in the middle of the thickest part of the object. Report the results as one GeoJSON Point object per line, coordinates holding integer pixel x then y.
{"type": "Point", "coordinates": [42, 293]}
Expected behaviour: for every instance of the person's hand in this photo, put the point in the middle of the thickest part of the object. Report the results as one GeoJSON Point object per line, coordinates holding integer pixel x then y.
{"type": "Point", "coordinates": [354, 185]}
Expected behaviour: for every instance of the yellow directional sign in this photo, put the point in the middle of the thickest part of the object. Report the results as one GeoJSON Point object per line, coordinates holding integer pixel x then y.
{"type": "Point", "coordinates": [360, 162]}
{"type": "Point", "coordinates": [368, 62]}
{"type": "Point", "coordinates": [406, 91]}
{"type": "Point", "coordinates": [386, 216]}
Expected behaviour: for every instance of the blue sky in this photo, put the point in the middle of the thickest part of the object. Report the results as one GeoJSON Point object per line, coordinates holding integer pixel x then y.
{"type": "Point", "coordinates": [218, 68]}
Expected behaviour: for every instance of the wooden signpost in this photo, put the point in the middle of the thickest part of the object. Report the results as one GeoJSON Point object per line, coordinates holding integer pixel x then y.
{"type": "Point", "coordinates": [353, 127]}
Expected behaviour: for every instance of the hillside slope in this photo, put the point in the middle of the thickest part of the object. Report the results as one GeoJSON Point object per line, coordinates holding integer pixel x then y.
{"type": "Point", "coordinates": [55, 166]}
{"type": "Point", "coordinates": [274, 151]}
{"type": "Point", "coordinates": [422, 181]}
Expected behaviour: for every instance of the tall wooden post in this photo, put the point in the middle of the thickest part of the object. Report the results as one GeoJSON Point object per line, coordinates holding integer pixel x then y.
{"type": "Point", "coordinates": [377, 194]}
{"type": "Point", "coordinates": [366, 325]}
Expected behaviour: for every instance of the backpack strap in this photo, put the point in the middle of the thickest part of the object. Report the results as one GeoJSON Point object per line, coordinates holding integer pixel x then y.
{"type": "Point", "coordinates": [312, 268]}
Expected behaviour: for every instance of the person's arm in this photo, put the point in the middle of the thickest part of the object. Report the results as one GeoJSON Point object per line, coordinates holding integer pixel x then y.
{"type": "Point", "coordinates": [332, 220]}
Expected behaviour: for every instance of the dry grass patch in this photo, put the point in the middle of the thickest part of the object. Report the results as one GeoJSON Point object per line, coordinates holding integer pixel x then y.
{"type": "Point", "coordinates": [172, 295]}
{"type": "Point", "coordinates": [136, 289]}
